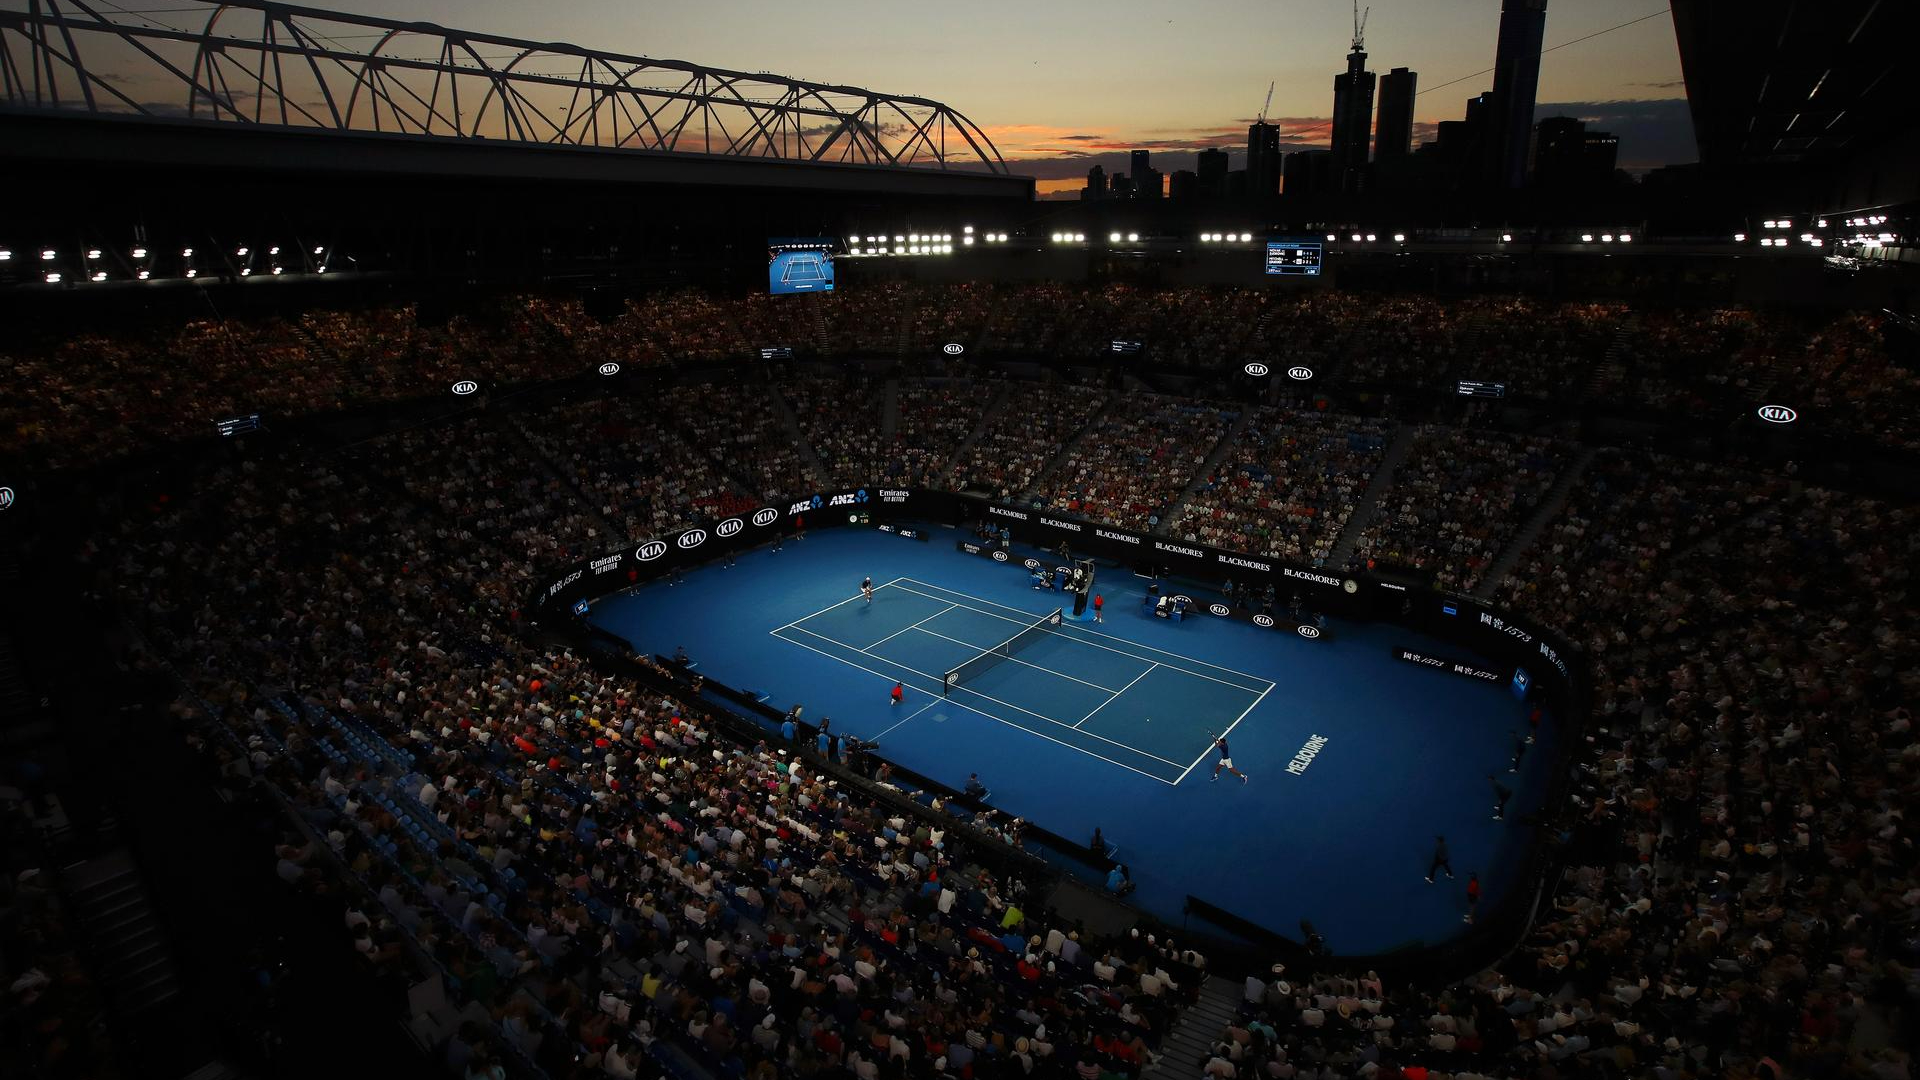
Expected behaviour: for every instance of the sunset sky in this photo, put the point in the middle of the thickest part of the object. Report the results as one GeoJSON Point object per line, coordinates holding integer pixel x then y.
{"type": "Point", "coordinates": [1063, 84]}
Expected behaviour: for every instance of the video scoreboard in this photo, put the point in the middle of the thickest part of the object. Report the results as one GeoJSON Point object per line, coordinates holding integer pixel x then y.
{"type": "Point", "coordinates": [1294, 257]}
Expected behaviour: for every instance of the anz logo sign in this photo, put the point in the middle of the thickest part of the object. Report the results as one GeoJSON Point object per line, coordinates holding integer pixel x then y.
{"type": "Point", "coordinates": [1778, 414]}
{"type": "Point", "coordinates": [691, 539]}
{"type": "Point", "coordinates": [729, 527]}
{"type": "Point", "coordinates": [465, 387]}
{"type": "Point", "coordinates": [1257, 369]}
{"type": "Point", "coordinates": [802, 507]}
{"type": "Point", "coordinates": [1300, 373]}
{"type": "Point", "coordinates": [1307, 631]}
{"type": "Point", "coordinates": [1263, 619]}
{"type": "Point", "coordinates": [650, 550]}
{"type": "Point", "coordinates": [850, 499]}
{"type": "Point", "coordinates": [766, 516]}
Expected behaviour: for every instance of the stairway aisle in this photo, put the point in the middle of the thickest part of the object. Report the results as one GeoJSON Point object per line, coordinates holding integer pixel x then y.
{"type": "Point", "coordinates": [1369, 504]}
{"type": "Point", "coordinates": [1536, 524]}
{"type": "Point", "coordinates": [809, 457]}
{"type": "Point", "coordinates": [1228, 440]}
{"type": "Point", "coordinates": [962, 453]}
{"type": "Point", "coordinates": [125, 940]}
{"type": "Point", "coordinates": [1185, 1050]}
{"type": "Point", "coordinates": [1067, 448]}
{"type": "Point", "coordinates": [1612, 368]}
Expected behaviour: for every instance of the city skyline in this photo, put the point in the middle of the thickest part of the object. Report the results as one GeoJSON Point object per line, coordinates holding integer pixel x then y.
{"type": "Point", "coordinates": [1062, 87]}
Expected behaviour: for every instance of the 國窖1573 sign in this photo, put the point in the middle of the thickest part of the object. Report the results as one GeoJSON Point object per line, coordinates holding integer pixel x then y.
{"type": "Point", "coordinates": [1777, 414]}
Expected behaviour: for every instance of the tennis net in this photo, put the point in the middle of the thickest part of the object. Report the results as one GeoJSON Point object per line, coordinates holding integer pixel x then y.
{"type": "Point", "coordinates": [971, 670]}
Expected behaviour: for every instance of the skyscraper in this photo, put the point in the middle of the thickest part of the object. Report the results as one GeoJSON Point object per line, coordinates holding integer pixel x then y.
{"type": "Point", "coordinates": [1352, 119]}
{"type": "Point", "coordinates": [1516, 82]}
{"type": "Point", "coordinates": [1146, 179]}
{"type": "Point", "coordinates": [1393, 135]}
{"type": "Point", "coordinates": [1263, 161]}
{"type": "Point", "coordinates": [1096, 184]}
{"type": "Point", "coordinates": [1213, 173]}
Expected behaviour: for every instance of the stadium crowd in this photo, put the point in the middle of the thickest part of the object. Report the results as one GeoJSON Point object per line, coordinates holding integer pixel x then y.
{"type": "Point", "coordinates": [610, 880]}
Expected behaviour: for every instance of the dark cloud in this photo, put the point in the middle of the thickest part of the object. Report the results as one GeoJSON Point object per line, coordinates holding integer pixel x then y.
{"type": "Point", "coordinates": [1652, 133]}
{"type": "Point", "coordinates": [1084, 138]}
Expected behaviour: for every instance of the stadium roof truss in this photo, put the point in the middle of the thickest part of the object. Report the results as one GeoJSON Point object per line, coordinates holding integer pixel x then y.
{"type": "Point", "coordinates": [266, 64]}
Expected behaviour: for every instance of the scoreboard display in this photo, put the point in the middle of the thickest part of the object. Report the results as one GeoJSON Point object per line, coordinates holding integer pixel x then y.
{"type": "Point", "coordinates": [1294, 257]}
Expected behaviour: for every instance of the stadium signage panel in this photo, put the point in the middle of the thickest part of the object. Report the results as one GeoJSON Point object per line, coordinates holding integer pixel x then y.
{"type": "Point", "coordinates": [1256, 369]}
{"type": "Point", "coordinates": [1125, 538]}
{"type": "Point", "coordinates": [894, 495]}
{"type": "Point", "coordinates": [1308, 575]}
{"type": "Point", "coordinates": [849, 498]}
{"type": "Point", "coordinates": [1031, 564]}
{"type": "Point", "coordinates": [609, 368]}
{"type": "Point", "coordinates": [465, 387]}
{"type": "Point", "coordinates": [1251, 564]}
{"type": "Point", "coordinates": [1301, 374]}
{"type": "Point", "coordinates": [1004, 512]}
{"type": "Point", "coordinates": [953, 348]}
{"type": "Point", "coordinates": [766, 516]}
{"type": "Point", "coordinates": [1778, 414]}
{"type": "Point", "coordinates": [1221, 610]}
{"type": "Point", "coordinates": [1053, 523]}
{"type": "Point", "coordinates": [605, 563]}
{"type": "Point", "coordinates": [910, 534]}
{"type": "Point", "coordinates": [776, 352]}
{"type": "Point", "coordinates": [1192, 553]}
{"type": "Point", "coordinates": [729, 527]}
{"type": "Point", "coordinates": [1263, 619]}
{"type": "Point", "coordinates": [1476, 388]}
{"type": "Point", "coordinates": [691, 539]}
{"type": "Point", "coordinates": [1307, 630]}
{"type": "Point", "coordinates": [1442, 663]}
{"type": "Point", "coordinates": [1000, 556]}
{"type": "Point", "coordinates": [6, 498]}
{"type": "Point", "coordinates": [650, 550]}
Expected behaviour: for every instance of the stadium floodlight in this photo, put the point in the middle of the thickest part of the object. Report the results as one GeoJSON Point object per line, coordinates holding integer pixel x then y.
{"type": "Point", "coordinates": [1806, 236]}
{"type": "Point", "coordinates": [1816, 242]}
{"type": "Point", "coordinates": [1739, 237]}
{"type": "Point", "coordinates": [1133, 238]}
{"type": "Point", "coordinates": [1822, 223]}
{"type": "Point", "coordinates": [46, 255]}
{"type": "Point", "coordinates": [139, 253]}
{"type": "Point", "coordinates": [1370, 238]}
{"type": "Point", "coordinates": [191, 272]}
{"type": "Point", "coordinates": [898, 250]}
{"type": "Point", "coordinates": [99, 275]}
{"type": "Point", "coordinates": [245, 270]}
{"type": "Point", "coordinates": [241, 251]}
{"type": "Point", "coordinates": [1886, 237]}
{"type": "Point", "coordinates": [319, 250]}
{"type": "Point", "coordinates": [1079, 238]}
{"type": "Point", "coordinates": [320, 269]}
{"type": "Point", "coordinates": [1331, 238]}
{"type": "Point", "coordinates": [1606, 238]}
{"type": "Point", "coordinates": [93, 253]}
{"type": "Point", "coordinates": [966, 228]}
{"type": "Point", "coordinates": [1506, 238]}
{"type": "Point", "coordinates": [1786, 223]}
{"type": "Point", "coordinates": [53, 277]}
{"type": "Point", "coordinates": [1113, 238]}
{"type": "Point", "coordinates": [186, 253]}
{"type": "Point", "coordinates": [143, 275]}
{"type": "Point", "coordinates": [1399, 238]}
{"type": "Point", "coordinates": [1586, 238]}
{"type": "Point", "coordinates": [5, 255]}
{"type": "Point", "coordinates": [275, 250]}
{"type": "Point", "coordinates": [1356, 238]}
{"type": "Point", "coordinates": [1769, 223]}
{"type": "Point", "coordinates": [899, 239]}
{"type": "Point", "coordinates": [1246, 237]}
{"type": "Point", "coordinates": [966, 241]}
{"type": "Point", "coordinates": [276, 271]}
{"type": "Point", "coordinates": [1626, 238]}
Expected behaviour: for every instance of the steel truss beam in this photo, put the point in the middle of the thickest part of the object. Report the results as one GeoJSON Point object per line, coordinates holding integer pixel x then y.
{"type": "Point", "coordinates": [255, 62]}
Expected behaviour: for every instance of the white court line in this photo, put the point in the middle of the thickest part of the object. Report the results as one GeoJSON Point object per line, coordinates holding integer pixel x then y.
{"type": "Point", "coordinates": [989, 697]}
{"type": "Point", "coordinates": [915, 626]}
{"type": "Point", "coordinates": [917, 712]}
{"type": "Point", "coordinates": [1016, 660]}
{"type": "Point", "coordinates": [1268, 683]}
{"type": "Point", "coordinates": [1115, 697]}
{"type": "Point", "coordinates": [988, 715]}
{"type": "Point", "coordinates": [850, 600]}
{"type": "Point", "coordinates": [1224, 734]}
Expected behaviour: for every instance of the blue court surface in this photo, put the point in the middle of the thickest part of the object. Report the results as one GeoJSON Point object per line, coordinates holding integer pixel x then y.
{"type": "Point", "coordinates": [1109, 724]}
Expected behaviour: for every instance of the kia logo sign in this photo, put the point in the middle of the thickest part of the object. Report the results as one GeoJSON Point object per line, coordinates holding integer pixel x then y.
{"type": "Point", "coordinates": [465, 387]}
{"type": "Point", "coordinates": [1218, 609]}
{"type": "Point", "coordinates": [953, 348]}
{"type": "Point", "coordinates": [6, 498]}
{"type": "Point", "coordinates": [609, 368]}
{"type": "Point", "coordinates": [691, 539]}
{"type": "Point", "coordinates": [1001, 556]}
{"type": "Point", "coordinates": [1308, 632]}
{"type": "Point", "coordinates": [728, 527]}
{"type": "Point", "coordinates": [1300, 373]}
{"type": "Point", "coordinates": [650, 550]}
{"type": "Point", "coordinates": [1263, 620]}
{"type": "Point", "coordinates": [1031, 564]}
{"type": "Point", "coordinates": [1778, 414]}
{"type": "Point", "coordinates": [1256, 369]}
{"type": "Point", "coordinates": [766, 517]}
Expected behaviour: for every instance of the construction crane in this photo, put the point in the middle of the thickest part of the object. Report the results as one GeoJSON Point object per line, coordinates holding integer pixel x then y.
{"type": "Point", "coordinates": [1360, 27]}
{"type": "Point", "coordinates": [1268, 105]}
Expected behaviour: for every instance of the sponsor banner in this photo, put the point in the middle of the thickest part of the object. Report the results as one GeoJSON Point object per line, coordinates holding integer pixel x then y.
{"type": "Point", "coordinates": [974, 547]}
{"type": "Point", "coordinates": [1442, 663]}
{"type": "Point", "coordinates": [894, 495]}
{"type": "Point", "coordinates": [1109, 534]}
{"type": "Point", "coordinates": [1299, 373]}
{"type": "Point", "coordinates": [607, 562]}
{"type": "Point", "coordinates": [765, 517]}
{"type": "Point", "coordinates": [1002, 511]}
{"type": "Point", "coordinates": [910, 534]}
{"type": "Point", "coordinates": [1778, 414]}
{"type": "Point", "coordinates": [1257, 369]}
{"type": "Point", "coordinates": [1304, 757]}
{"type": "Point", "coordinates": [1055, 523]}
{"type": "Point", "coordinates": [1251, 564]}
{"type": "Point", "coordinates": [1177, 549]}
{"type": "Point", "coordinates": [465, 387]}
{"type": "Point", "coordinates": [728, 528]}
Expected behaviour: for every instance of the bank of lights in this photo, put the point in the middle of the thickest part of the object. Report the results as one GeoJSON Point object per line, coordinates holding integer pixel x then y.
{"type": "Point", "coordinates": [1226, 238]}
{"type": "Point", "coordinates": [1876, 219]}
{"type": "Point", "coordinates": [5, 255]}
{"type": "Point", "coordinates": [99, 275]}
{"type": "Point", "coordinates": [139, 253]}
{"type": "Point", "coordinates": [53, 277]}
{"type": "Point", "coordinates": [1069, 237]}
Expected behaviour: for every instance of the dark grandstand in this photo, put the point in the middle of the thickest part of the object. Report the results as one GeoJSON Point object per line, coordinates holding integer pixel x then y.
{"type": "Point", "coordinates": [434, 547]}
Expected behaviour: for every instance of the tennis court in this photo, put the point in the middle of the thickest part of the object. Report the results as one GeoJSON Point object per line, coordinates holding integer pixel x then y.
{"type": "Point", "coordinates": [1131, 705]}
